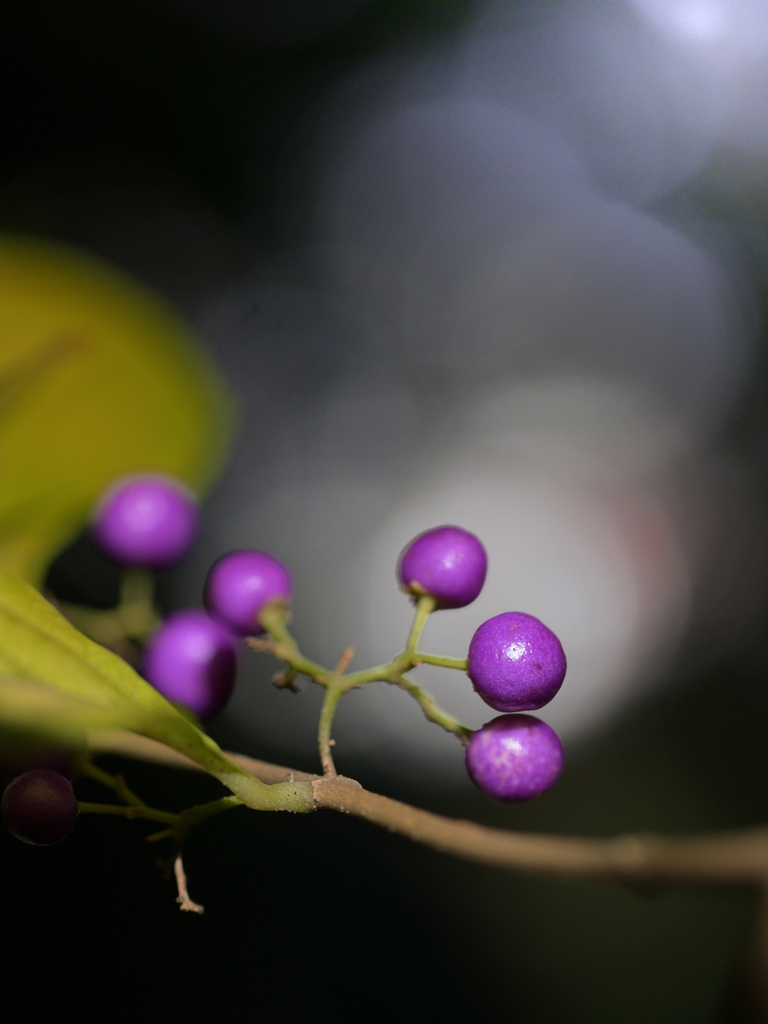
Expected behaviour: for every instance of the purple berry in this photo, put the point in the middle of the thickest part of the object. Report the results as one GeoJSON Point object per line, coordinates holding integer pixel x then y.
{"type": "Point", "coordinates": [515, 757]}
{"type": "Point", "coordinates": [241, 584]}
{"type": "Point", "coordinates": [39, 807]}
{"type": "Point", "coordinates": [448, 563]}
{"type": "Point", "coordinates": [515, 662]}
{"type": "Point", "coordinates": [191, 660]}
{"type": "Point", "coordinates": [146, 522]}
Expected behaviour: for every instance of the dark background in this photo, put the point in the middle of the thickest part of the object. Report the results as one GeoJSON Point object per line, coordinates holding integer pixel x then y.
{"type": "Point", "coordinates": [325, 918]}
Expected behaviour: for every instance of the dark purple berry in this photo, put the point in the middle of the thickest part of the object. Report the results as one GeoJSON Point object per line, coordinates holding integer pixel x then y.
{"type": "Point", "coordinates": [146, 522]}
{"type": "Point", "coordinates": [39, 807]}
{"type": "Point", "coordinates": [515, 757]}
{"type": "Point", "coordinates": [241, 584]}
{"type": "Point", "coordinates": [191, 660]}
{"type": "Point", "coordinates": [515, 662]}
{"type": "Point", "coordinates": [447, 563]}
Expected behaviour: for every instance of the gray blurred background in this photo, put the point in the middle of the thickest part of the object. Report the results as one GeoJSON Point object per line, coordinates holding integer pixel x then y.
{"type": "Point", "coordinates": [495, 264]}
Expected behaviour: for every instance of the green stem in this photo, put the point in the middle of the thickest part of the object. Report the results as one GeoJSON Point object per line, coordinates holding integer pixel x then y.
{"type": "Point", "coordinates": [180, 824]}
{"type": "Point", "coordinates": [115, 782]}
{"type": "Point", "coordinates": [420, 658]}
{"type": "Point", "coordinates": [379, 673]}
{"type": "Point", "coordinates": [134, 618]}
{"type": "Point", "coordinates": [201, 812]}
{"type": "Point", "coordinates": [282, 796]}
{"type": "Point", "coordinates": [402, 663]}
{"type": "Point", "coordinates": [274, 619]}
{"type": "Point", "coordinates": [424, 608]}
{"type": "Point", "coordinates": [194, 816]}
{"type": "Point", "coordinates": [333, 694]}
{"type": "Point", "coordinates": [128, 812]}
{"type": "Point", "coordinates": [432, 709]}
{"type": "Point", "coordinates": [137, 613]}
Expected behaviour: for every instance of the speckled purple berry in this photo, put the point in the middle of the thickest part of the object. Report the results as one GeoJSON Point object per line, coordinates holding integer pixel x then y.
{"type": "Point", "coordinates": [39, 807]}
{"type": "Point", "coordinates": [241, 584]}
{"type": "Point", "coordinates": [515, 757]}
{"type": "Point", "coordinates": [146, 522]}
{"type": "Point", "coordinates": [515, 662]}
{"type": "Point", "coordinates": [192, 661]}
{"type": "Point", "coordinates": [448, 563]}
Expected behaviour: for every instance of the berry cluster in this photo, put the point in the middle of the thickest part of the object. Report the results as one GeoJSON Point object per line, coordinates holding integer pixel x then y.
{"type": "Point", "coordinates": [515, 662]}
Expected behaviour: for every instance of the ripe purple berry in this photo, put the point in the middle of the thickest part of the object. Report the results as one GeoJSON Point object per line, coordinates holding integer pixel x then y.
{"type": "Point", "coordinates": [241, 584]}
{"type": "Point", "coordinates": [146, 522]}
{"type": "Point", "coordinates": [515, 757]}
{"type": "Point", "coordinates": [515, 662]}
{"type": "Point", "coordinates": [448, 563]}
{"type": "Point", "coordinates": [39, 807]}
{"type": "Point", "coordinates": [191, 660]}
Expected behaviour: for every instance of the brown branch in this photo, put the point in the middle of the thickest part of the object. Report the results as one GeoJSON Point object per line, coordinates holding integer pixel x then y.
{"type": "Point", "coordinates": [724, 859]}
{"type": "Point", "coordinates": [181, 884]}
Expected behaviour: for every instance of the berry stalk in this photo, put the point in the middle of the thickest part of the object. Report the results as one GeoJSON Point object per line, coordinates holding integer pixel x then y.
{"type": "Point", "coordinates": [422, 658]}
{"type": "Point", "coordinates": [135, 617]}
{"type": "Point", "coordinates": [425, 605]}
{"type": "Point", "coordinates": [273, 618]}
{"type": "Point", "coordinates": [432, 710]}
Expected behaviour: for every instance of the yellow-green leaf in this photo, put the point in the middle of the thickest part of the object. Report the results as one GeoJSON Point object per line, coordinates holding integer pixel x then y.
{"type": "Point", "coordinates": [32, 709]}
{"type": "Point", "coordinates": [37, 643]}
{"type": "Point", "coordinates": [99, 378]}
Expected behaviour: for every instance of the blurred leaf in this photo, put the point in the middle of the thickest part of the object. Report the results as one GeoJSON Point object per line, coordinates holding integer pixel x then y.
{"type": "Point", "coordinates": [36, 710]}
{"type": "Point", "coordinates": [95, 688]}
{"type": "Point", "coordinates": [99, 378]}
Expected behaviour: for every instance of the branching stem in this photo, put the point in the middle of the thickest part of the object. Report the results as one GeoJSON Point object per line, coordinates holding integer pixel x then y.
{"type": "Point", "coordinates": [274, 618]}
{"type": "Point", "coordinates": [130, 812]}
{"type": "Point", "coordinates": [135, 617]}
{"type": "Point", "coordinates": [333, 694]}
{"type": "Point", "coordinates": [180, 823]}
{"type": "Point", "coordinates": [187, 820]}
{"type": "Point", "coordinates": [281, 644]}
{"type": "Point", "coordinates": [724, 859]}
{"type": "Point", "coordinates": [432, 709]}
{"type": "Point", "coordinates": [114, 782]}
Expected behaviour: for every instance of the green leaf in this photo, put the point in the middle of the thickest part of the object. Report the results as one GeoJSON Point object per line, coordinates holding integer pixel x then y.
{"type": "Point", "coordinates": [38, 644]}
{"type": "Point", "coordinates": [39, 712]}
{"type": "Point", "coordinates": [99, 378]}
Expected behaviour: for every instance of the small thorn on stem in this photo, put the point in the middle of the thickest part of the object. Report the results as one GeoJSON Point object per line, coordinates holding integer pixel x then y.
{"type": "Point", "coordinates": [344, 661]}
{"type": "Point", "coordinates": [181, 883]}
{"type": "Point", "coordinates": [257, 643]}
{"type": "Point", "coordinates": [286, 681]}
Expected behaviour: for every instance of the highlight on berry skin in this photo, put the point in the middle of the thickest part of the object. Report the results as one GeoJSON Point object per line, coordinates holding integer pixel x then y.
{"type": "Point", "coordinates": [447, 563]}
{"type": "Point", "coordinates": [39, 807]}
{"type": "Point", "coordinates": [192, 661]}
{"type": "Point", "coordinates": [145, 522]}
{"type": "Point", "coordinates": [240, 585]}
{"type": "Point", "coordinates": [515, 758]}
{"type": "Point", "coordinates": [515, 662]}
